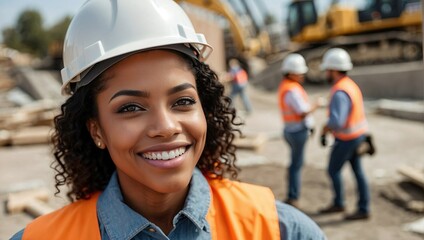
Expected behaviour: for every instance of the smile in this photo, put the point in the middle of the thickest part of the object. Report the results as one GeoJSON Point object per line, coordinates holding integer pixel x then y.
{"type": "Point", "coordinates": [164, 155]}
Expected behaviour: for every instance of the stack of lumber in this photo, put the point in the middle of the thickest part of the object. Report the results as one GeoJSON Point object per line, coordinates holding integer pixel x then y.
{"type": "Point", "coordinates": [29, 100]}
{"type": "Point", "coordinates": [30, 124]}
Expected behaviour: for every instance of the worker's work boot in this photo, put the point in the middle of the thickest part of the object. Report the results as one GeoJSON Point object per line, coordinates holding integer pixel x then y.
{"type": "Point", "coordinates": [332, 209]}
{"type": "Point", "coordinates": [357, 216]}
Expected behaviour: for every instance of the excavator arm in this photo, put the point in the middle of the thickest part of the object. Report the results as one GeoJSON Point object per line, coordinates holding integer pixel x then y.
{"type": "Point", "coordinates": [245, 44]}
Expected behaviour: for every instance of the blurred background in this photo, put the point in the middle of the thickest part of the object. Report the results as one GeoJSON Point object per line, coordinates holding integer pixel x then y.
{"type": "Point", "coordinates": [383, 37]}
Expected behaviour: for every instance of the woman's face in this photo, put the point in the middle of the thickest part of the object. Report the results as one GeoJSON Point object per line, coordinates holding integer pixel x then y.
{"type": "Point", "coordinates": [151, 121]}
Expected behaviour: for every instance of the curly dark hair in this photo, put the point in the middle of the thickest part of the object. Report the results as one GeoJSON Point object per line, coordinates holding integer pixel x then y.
{"type": "Point", "coordinates": [85, 169]}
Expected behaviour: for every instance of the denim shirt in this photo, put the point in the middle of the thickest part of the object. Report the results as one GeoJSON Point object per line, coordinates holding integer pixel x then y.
{"type": "Point", "coordinates": [117, 221]}
{"type": "Point", "coordinates": [340, 107]}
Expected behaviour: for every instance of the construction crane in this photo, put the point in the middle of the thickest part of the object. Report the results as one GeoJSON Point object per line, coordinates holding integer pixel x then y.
{"type": "Point", "coordinates": [384, 31]}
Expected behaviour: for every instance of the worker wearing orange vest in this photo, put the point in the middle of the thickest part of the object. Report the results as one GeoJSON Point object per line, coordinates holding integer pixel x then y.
{"type": "Point", "coordinates": [138, 142]}
{"type": "Point", "coordinates": [348, 124]}
{"type": "Point", "coordinates": [239, 82]}
{"type": "Point", "coordinates": [257, 219]}
{"type": "Point", "coordinates": [298, 122]}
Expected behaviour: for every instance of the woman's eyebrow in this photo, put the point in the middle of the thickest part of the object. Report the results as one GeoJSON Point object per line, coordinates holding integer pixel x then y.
{"type": "Point", "coordinates": [135, 93]}
{"type": "Point", "coordinates": [180, 87]}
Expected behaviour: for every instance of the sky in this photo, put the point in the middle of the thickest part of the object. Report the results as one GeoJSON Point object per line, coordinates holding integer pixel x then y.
{"type": "Point", "coordinates": [54, 10]}
{"type": "Point", "coordinates": [51, 10]}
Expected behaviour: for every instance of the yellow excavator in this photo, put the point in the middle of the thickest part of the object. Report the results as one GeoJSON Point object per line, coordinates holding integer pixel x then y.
{"type": "Point", "coordinates": [246, 44]}
{"type": "Point", "coordinates": [384, 31]}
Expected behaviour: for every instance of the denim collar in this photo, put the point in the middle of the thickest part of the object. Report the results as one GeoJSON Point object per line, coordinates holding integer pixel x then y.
{"type": "Point", "coordinates": [121, 222]}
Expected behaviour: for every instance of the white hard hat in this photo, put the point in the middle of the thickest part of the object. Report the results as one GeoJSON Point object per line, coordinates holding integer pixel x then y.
{"type": "Point", "coordinates": [336, 59]}
{"type": "Point", "coordinates": [105, 32]}
{"type": "Point", "coordinates": [294, 63]}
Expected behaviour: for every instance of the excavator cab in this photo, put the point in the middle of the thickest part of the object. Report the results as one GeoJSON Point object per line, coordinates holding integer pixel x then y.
{"type": "Point", "coordinates": [301, 14]}
{"type": "Point", "coordinates": [382, 9]}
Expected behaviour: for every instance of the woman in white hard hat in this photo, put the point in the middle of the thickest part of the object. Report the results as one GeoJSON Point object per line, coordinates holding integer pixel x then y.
{"type": "Point", "coordinates": [298, 122]}
{"type": "Point", "coordinates": [145, 139]}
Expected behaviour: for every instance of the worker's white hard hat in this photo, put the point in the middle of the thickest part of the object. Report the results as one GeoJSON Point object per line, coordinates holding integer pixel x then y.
{"type": "Point", "coordinates": [336, 59]}
{"type": "Point", "coordinates": [105, 32]}
{"type": "Point", "coordinates": [294, 63]}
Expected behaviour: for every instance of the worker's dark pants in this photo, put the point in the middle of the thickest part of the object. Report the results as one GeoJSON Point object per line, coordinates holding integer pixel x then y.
{"type": "Point", "coordinates": [346, 151]}
{"type": "Point", "coordinates": [296, 141]}
{"type": "Point", "coordinates": [240, 89]}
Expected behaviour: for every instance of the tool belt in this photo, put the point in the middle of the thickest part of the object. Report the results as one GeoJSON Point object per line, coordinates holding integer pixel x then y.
{"type": "Point", "coordinates": [367, 146]}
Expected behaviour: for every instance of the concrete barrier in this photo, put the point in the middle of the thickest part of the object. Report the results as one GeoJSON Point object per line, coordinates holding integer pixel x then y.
{"type": "Point", "coordinates": [392, 81]}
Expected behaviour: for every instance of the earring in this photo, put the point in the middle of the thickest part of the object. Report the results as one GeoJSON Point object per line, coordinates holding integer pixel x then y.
{"type": "Point", "coordinates": [99, 144]}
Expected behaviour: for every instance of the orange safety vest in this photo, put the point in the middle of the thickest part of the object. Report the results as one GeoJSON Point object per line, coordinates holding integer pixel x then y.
{"type": "Point", "coordinates": [356, 124]}
{"type": "Point", "coordinates": [240, 77]}
{"type": "Point", "coordinates": [288, 113]}
{"type": "Point", "coordinates": [237, 211]}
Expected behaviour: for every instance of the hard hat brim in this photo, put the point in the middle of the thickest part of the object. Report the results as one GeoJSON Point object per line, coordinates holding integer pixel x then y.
{"type": "Point", "coordinates": [92, 73]}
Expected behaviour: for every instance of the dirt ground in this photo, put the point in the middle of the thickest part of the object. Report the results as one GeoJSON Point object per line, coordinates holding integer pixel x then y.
{"type": "Point", "coordinates": [398, 142]}
{"type": "Point", "coordinates": [386, 221]}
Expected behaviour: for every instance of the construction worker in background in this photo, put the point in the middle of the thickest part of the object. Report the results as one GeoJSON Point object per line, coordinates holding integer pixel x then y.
{"type": "Point", "coordinates": [348, 124]}
{"type": "Point", "coordinates": [239, 81]}
{"type": "Point", "coordinates": [298, 121]}
{"type": "Point", "coordinates": [144, 142]}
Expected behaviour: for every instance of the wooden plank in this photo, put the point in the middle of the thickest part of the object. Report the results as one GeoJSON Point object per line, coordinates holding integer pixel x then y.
{"type": "Point", "coordinates": [37, 208]}
{"type": "Point", "coordinates": [416, 206]}
{"type": "Point", "coordinates": [36, 113]}
{"type": "Point", "coordinates": [5, 138]}
{"type": "Point", "coordinates": [16, 202]}
{"type": "Point", "coordinates": [414, 175]}
{"type": "Point", "coordinates": [254, 142]}
{"type": "Point", "coordinates": [31, 135]}
{"type": "Point", "coordinates": [396, 195]}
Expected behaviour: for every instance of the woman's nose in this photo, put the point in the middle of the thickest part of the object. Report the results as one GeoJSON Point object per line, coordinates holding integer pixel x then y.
{"type": "Point", "coordinates": [163, 123]}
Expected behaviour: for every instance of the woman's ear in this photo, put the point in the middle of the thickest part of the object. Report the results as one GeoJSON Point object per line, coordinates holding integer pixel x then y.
{"type": "Point", "coordinates": [96, 133]}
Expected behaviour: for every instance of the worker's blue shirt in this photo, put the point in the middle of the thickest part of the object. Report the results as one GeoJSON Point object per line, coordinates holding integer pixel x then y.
{"type": "Point", "coordinates": [118, 221]}
{"type": "Point", "coordinates": [340, 107]}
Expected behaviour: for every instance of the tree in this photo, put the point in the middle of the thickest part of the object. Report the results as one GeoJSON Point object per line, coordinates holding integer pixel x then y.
{"type": "Point", "coordinates": [11, 38]}
{"type": "Point", "coordinates": [58, 31]}
{"type": "Point", "coordinates": [56, 37]}
{"type": "Point", "coordinates": [32, 35]}
{"type": "Point", "coordinates": [28, 34]}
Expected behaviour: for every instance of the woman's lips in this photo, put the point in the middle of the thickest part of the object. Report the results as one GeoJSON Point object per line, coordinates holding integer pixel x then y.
{"type": "Point", "coordinates": [164, 155]}
{"type": "Point", "coordinates": [166, 159]}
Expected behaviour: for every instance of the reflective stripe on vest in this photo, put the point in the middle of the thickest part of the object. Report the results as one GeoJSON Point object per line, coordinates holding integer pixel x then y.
{"type": "Point", "coordinates": [240, 77]}
{"type": "Point", "coordinates": [237, 211]}
{"type": "Point", "coordinates": [356, 124]}
{"type": "Point", "coordinates": [288, 114]}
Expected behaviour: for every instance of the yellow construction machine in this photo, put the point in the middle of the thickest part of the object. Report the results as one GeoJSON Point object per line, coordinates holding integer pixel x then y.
{"type": "Point", "coordinates": [246, 44]}
{"type": "Point", "coordinates": [383, 31]}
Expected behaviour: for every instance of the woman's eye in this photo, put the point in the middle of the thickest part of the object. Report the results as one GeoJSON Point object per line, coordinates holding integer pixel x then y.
{"type": "Point", "coordinates": [184, 102]}
{"type": "Point", "coordinates": [130, 108]}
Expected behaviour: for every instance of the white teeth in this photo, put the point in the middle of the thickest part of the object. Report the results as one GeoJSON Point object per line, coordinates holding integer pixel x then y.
{"type": "Point", "coordinates": [171, 154]}
{"type": "Point", "coordinates": [165, 155]}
